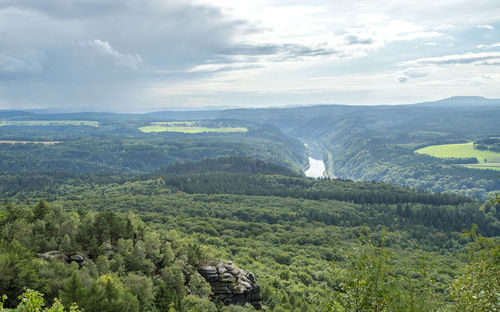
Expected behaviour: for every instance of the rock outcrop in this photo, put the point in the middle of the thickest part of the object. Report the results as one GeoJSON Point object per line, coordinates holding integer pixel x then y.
{"type": "Point", "coordinates": [231, 285]}
{"type": "Point", "coordinates": [63, 257]}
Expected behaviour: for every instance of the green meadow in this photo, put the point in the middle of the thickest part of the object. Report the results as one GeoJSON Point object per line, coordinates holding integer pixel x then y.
{"type": "Point", "coordinates": [487, 159]}
{"type": "Point", "coordinates": [190, 129]}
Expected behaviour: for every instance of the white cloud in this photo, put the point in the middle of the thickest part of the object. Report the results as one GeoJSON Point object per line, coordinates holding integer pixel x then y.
{"type": "Point", "coordinates": [489, 46]}
{"type": "Point", "coordinates": [407, 74]}
{"type": "Point", "coordinates": [467, 58]}
{"type": "Point", "coordinates": [489, 27]}
{"type": "Point", "coordinates": [105, 48]}
{"type": "Point", "coordinates": [208, 50]}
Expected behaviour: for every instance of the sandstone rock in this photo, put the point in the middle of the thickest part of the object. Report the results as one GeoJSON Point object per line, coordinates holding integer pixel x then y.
{"type": "Point", "coordinates": [54, 255]}
{"type": "Point", "coordinates": [231, 285]}
{"type": "Point", "coordinates": [62, 257]}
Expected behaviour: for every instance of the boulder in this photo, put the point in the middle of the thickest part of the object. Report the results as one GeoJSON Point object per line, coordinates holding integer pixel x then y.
{"type": "Point", "coordinates": [231, 285]}
{"type": "Point", "coordinates": [54, 256]}
{"type": "Point", "coordinates": [63, 257]}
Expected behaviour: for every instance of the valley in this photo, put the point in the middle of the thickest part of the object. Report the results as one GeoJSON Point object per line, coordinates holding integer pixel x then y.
{"type": "Point", "coordinates": [151, 207]}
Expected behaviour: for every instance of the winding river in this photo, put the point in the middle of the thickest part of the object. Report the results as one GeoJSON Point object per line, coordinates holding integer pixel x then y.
{"type": "Point", "coordinates": [316, 168]}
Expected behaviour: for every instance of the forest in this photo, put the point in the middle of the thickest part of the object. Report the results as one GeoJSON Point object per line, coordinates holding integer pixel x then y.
{"type": "Point", "coordinates": [378, 143]}
{"type": "Point", "coordinates": [143, 238]}
{"type": "Point", "coordinates": [108, 218]}
{"type": "Point", "coordinates": [488, 144]}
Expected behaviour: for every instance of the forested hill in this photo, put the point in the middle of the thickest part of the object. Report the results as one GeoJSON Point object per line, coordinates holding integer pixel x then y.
{"type": "Point", "coordinates": [367, 143]}
{"type": "Point", "coordinates": [143, 238]}
{"type": "Point", "coordinates": [98, 143]}
{"type": "Point", "coordinates": [237, 165]}
{"type": "Point", "coordinates": [378, 142]}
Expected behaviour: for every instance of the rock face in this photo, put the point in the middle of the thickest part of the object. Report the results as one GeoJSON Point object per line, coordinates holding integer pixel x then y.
{"type": "Point", "coordinates": [231, 285]}
{"type": "Point", "coordinates": [62, 257]}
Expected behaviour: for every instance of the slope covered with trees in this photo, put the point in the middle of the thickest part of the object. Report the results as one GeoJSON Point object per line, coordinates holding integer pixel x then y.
{"type": "Point", "coordinates": [378, 142]}
{"type": "Point", "coordinates": [144, 237]}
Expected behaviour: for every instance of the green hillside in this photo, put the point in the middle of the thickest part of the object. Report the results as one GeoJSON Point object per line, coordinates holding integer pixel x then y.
{"type": "Point", "coordinates": [302, 238]}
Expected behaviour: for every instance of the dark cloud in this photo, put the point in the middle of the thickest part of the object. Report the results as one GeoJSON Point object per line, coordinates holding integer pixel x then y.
{"type": "Point", "coordinates": [411, 73]}
{"type": "Point", "coordinates": [402, 78]}
{"type": "Point", "coordinates": [67, 9]}
{"type": "Point", "coordinates": [352, 40]}
{"type": "Point", "coordinates": [483, 58]}
{"type": "Point", "coordinates": [71, 48]}
{"type": "Point", "coordinates": [282, 51]}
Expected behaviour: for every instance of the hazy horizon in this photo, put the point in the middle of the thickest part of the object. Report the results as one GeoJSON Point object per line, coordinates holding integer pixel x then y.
{"type": "Point", "coordinates": [153, 55]}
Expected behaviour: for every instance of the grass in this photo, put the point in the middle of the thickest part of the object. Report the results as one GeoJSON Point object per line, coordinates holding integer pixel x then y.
{"type": "Point", "coordinates": [487, 159]}
{"type": "Point", "coordinates": [49, 123]}
{"type": "Point", "coordinates": [190, 129]}
{"type": "Point", "coordinates": [174, 123]}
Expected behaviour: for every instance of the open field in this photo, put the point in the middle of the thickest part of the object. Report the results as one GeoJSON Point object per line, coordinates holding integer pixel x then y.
{"type": "Point", "coordinates": [29, 142]}
{"type": "Point", "coordinates": [487, 159]}
{"type": "Point", "coordinates": [490, 166]}
{"type": "Point", "coordinates": [49, 123]}
{"type": "Point", "coordinates": [190, 129]}
{"type": "Point", "coordinates": [174, 123]}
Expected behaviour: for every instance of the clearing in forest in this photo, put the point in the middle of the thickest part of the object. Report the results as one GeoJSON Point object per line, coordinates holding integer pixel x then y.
{"type": "Point", "coordinates": [29, 142]}
{"type": "Point", "coordinates": [189, 127]}
{"type": "Point", "coordinates": [487, 159]}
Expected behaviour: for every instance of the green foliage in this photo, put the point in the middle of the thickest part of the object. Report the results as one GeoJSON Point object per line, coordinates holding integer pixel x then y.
{"type": "Point", "coordinates": [108, 294]}
{"type": "Point", "coordinates": [144, 238]}
{"type": "Point", "coordinates": [32, 301]}
{"type": "Point", "coordinates": [41, 210]}
{"type": "Point", "coordinates": [369, 282]}
{"type": "Point", "coordinates": [73, 291]}
{"type": "Point", "coordinates": [17, 270]}
{"type": "Point", "coordinates": [478, 289]}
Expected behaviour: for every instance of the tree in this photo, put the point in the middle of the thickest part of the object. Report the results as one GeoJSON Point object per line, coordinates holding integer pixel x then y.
{"type": "Point", "coordinates": [368, 285]}
{"type": "Point", "coordinates": [478, 288]}
{"type": "Point", "coordinates": [66, 244]}
{"type": "Point", "coordinates": [16, 270]}
{"type": "Point", "coordinates": [41, 209]}
{"type": "Point", "coordinates": [73, 291]}
{"type": "Point", "coordinates": [32, 301]}
{"type": "Point", "coordinates": [108, 294]}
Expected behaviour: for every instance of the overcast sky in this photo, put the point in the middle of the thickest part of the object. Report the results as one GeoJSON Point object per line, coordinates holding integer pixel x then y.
{"type": "Point", "coordinates": [146, 55]}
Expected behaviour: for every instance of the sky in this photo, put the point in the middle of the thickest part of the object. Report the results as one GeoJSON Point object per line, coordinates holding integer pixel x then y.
{"type": "Point", "coordinates": [150, 55]}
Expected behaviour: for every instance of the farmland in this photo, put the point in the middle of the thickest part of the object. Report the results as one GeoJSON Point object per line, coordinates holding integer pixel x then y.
{"type": "Point", "coordinates": [189, 127]}
{"type": "Point", "coordinates": [487, 159]}
{"type": "Point", "coordinates": [28, 142]}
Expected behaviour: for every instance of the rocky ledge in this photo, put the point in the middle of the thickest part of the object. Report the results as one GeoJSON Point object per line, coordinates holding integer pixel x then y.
{"type": "Point", "coordinates": [231, 285]}
{"type": "Point", "coordinates": [63, 257]}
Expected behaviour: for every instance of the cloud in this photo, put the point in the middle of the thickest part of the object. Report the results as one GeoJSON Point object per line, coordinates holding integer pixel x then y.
{"type": "Point", "coordinates": [19, 65]}
{"type": "Point", "coordinates": [103, 47]}
{"type": "Point", "coordinates": [483, 58]}
{"type": "Point", "coordinates": [353, 39]}
{"type": "Point", "coordinates": [406, 75]}
{"type": "Point", "coordinates": [285, 50]}
{"type": "Point", "coordinates": [489, 27]}
{"type": "Point", "coordinates": [67, 9]}
{"type": "Point", "coordinates": [489, 46]}
{"type": "Point", "coordinates": [69, 52]}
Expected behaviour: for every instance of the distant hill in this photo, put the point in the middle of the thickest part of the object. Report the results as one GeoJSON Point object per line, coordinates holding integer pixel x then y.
{"type": "Point", "coordinates": [238, 165]}
{"type": "Point", "coordinates": [462, 101]}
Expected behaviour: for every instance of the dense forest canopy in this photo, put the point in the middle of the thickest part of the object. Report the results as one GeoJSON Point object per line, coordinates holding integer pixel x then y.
{"type": "Point", "coordinates": [146, 235]}
{"type": "Point", "coordinates": [95, 213]}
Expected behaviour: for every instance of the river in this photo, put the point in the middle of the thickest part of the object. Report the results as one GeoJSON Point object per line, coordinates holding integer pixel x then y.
{"type": "Point", "coordinates": [316, 168]}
